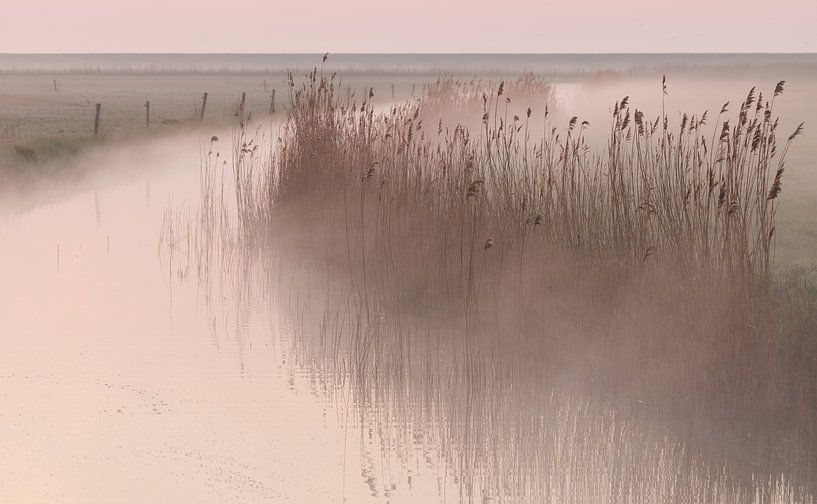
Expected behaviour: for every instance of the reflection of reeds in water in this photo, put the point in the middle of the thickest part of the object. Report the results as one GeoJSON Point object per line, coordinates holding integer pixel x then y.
{"type": "Point", "coordinates": [639, 278]}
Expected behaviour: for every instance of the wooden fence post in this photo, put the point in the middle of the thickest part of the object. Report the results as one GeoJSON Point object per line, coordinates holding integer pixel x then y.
{"type": "Point", "coordinates": [55, 85]}
{"type": "Point", "coordinates": [241, 107]}
{"type": "Point", "coordinates": [96, 119]}
{"type": "Point", "coordinates": [272, 103]}
{"type": "Point", "coordinates": [203, 106]}
{"type": "Point", "coordinates": [147, 114]}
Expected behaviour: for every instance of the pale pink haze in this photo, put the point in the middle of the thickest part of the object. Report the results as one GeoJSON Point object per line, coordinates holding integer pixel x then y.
{"type": "Point", "coordinates": [531, 26]}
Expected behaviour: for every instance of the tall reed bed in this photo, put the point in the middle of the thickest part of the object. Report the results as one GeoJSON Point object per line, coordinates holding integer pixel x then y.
{"type": "Point", "coordinates": [700, 200]}
{"type": "Point", "coordinates": [639, 275]}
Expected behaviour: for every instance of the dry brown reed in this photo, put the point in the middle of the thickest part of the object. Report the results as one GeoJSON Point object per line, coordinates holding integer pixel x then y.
{"type": "Point", "coordinates": [639, 275]}
{"type": "Point", "coordinates": [702, 201]}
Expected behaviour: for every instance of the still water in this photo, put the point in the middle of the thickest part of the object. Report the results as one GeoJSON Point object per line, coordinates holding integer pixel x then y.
{"type": "Point", "coordinates": [118, 386]}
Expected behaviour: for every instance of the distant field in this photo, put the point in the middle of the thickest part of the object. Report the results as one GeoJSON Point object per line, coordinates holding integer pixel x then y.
{"type": "Point", "coordinates": [32, 108]}
{"type": "Point", "coordinates": [48, 117]}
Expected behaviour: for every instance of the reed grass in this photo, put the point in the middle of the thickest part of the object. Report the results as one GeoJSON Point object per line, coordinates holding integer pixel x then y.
{"type": "Point", "coordinates": [640, 275]}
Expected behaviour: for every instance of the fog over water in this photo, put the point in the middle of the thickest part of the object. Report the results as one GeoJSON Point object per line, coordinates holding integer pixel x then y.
{"type": "Point", "coordinates": [140, 364]}
{"type": "Point", "coordinates": [119, 386]}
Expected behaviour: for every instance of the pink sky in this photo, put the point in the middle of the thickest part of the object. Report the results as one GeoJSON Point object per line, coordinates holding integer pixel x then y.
{"type": "Point", "coordinates": [408, 26]}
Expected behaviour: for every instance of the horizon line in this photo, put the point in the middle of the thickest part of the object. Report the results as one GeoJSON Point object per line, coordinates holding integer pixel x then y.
{"type": "Point", "coordinates": [401, 53]}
